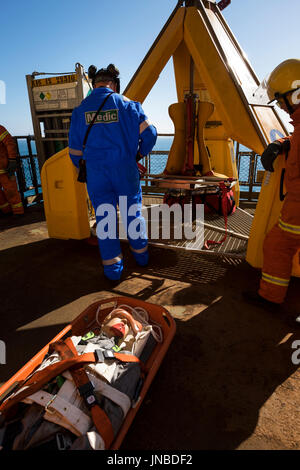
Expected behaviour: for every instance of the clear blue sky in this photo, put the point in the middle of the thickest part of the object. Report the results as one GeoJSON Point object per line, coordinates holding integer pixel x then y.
{"type": "Point", "coordinates": [53, 36]}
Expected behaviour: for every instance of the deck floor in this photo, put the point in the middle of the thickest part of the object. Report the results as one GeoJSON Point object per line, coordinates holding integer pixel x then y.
{"type": "Point", "coordinates": [234, 245]}
{"type": "Point", "coordinates": [227, 380]}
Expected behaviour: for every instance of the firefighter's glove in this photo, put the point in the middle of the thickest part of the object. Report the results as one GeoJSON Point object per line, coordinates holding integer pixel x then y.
{"type": "Point", "coordinates": [270, 154]}
{"type": "Point", "coordinates": [11, 168]}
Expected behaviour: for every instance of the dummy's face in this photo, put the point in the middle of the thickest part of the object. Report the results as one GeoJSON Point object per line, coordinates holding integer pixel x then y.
{"type": "Point", "coordinates": [116, 327]}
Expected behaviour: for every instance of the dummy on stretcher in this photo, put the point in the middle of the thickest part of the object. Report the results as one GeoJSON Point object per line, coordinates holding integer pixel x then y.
{"type": "Point", "coordinates": [83, 389]}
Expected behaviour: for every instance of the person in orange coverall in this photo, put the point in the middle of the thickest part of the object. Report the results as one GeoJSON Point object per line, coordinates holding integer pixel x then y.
{"type": "Point", "coordinates": [283, 241]}
{"type": "Point", "coordinates": [10, 200]}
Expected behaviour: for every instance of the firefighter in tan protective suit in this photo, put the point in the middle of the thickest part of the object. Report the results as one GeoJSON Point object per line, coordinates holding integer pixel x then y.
{"type": "Point", "coordinates": [283, 241]}
{"type": "Point", "coordinates": [10, 200]}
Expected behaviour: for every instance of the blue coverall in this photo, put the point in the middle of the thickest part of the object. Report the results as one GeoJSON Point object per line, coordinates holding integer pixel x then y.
{"type": "Point", "coordinates": [119, 132]}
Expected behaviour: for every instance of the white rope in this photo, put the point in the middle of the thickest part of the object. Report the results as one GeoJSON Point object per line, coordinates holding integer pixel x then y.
{"type": "Point", "coordinates": [141, 315]}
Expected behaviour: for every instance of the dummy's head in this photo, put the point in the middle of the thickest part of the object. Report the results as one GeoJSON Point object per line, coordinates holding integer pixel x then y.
{"type": "Point", "coordinates": [105, 77]}
{"type": "Point", "coordinates": [119, 323]}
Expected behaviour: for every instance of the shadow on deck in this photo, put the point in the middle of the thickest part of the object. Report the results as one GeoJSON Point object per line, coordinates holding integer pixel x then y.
{"type": "Point", "coordinates": [227, 358]}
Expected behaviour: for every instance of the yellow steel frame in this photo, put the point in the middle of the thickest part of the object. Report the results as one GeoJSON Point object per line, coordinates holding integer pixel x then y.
{"type": "Point", "coordinates": [223, 77]}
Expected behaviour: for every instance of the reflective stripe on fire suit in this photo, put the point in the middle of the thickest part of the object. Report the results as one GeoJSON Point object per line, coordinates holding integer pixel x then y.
{"type": "Point", "coordinates": [283, 241]}
{"type": "Point", "coordinates": [121, 129]}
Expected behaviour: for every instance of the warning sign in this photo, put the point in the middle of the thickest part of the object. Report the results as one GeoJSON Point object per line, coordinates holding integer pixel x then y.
{"type": "Point", "coordinates": [55, 97]}
{"type": "Point", "coordinates": [54, 80]}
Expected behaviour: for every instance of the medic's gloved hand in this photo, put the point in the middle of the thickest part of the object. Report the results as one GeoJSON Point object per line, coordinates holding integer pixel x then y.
{"type": "Point", "coordinates": [272, 152]}
{"type": "Point", "coordinates": [11, 167]}
{"type": "Point", "coordinates": [139, 156]}
{"type": "Point", "coordinates": [142, 170]}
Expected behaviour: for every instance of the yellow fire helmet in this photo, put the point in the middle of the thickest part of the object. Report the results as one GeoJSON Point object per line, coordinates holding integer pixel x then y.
{"type": "Point", "coordinates": [284, 82]}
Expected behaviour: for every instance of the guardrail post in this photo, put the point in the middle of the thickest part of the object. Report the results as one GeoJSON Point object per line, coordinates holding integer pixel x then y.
{"type": "Point", "coordinates": [32, 164]}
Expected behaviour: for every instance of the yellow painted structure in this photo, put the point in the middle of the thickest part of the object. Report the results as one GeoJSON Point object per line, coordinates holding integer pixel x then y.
{"type": "Point", "coordinates": [65, 200]}
{"type": "Point", "coordinates": [178, 149]}
{"type": "Point", "coordinates": [228, 111]}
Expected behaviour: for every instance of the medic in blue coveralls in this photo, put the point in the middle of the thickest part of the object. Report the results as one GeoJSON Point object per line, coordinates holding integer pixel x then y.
{"type": "Point", "coordinates": [120, 132]}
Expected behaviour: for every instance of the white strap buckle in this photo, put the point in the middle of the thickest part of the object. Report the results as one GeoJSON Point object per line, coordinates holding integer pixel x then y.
{"type": "Point", "coordinates": [52, 412]}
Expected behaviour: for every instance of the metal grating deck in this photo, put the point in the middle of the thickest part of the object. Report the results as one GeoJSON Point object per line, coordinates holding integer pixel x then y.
{"type": "Point", "coordinates": [240, 222]}
{"type": "Point", "coordinates": [234, 246]}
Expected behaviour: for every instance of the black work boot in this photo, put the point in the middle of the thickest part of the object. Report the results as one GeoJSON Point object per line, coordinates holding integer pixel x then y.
{"type": "Point", "coordinates": [290, 318]}
{"type": "Point", "coordinates": [255, 299]}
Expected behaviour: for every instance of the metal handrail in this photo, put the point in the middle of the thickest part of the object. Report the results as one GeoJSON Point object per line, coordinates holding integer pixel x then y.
{"type": "Point", "coordinates": [250, 182]}
{"type": "Point", "coordinates": [23, 188]}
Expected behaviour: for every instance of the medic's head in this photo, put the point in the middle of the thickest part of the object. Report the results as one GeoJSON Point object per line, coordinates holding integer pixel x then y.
{"type": "Point", "coordinates": [105, 77]}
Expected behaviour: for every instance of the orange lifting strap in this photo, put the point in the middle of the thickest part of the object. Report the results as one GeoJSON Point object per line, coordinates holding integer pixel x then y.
{"type": "Point", "coordinates": [86, 390]}
{"type": "Point", "coordinates": [74, 363]}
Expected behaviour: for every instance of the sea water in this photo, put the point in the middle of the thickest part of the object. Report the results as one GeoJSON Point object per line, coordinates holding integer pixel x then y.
{"type": "Point", "coordinates": [26, 166]}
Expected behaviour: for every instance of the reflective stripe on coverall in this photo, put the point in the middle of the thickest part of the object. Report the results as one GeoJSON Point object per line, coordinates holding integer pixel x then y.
{"type": "Point", "coordinates": [11, 196]}
{"type": "Point", "coordinates": [283, 241]}
{"type": "Point", "coordinates": [120, 130]}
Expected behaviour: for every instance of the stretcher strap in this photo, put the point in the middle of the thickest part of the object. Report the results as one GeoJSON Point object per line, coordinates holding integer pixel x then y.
{"type": "Point", "coordinates": [40, 378]}
{"type": "Point", "coordinates": [106, 390]}
{"type": "Point", "coordinates": [60, 411]}
{"type": "Point", "coordinates": [224, 191]}
{"type": "Point", "coordinates": [85, 387]}
{"type": "Point", "coordinates": [86, 390]}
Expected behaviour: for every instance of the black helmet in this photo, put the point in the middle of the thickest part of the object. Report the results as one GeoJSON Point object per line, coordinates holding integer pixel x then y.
{"type": "Point", "coordinates": [111, 73]}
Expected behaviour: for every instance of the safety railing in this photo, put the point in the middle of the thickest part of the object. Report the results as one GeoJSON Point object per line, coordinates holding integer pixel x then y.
{"type": "Point", "coordinates": [250, 171]}
{"type": "Point", "coordinates": [28, 173]}
{"type": "Point", "coordinates": [249, 168]}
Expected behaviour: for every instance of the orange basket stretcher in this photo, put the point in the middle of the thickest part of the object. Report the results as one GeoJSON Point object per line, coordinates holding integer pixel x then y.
{"type": "Point", "coordinates": [83, 324]}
